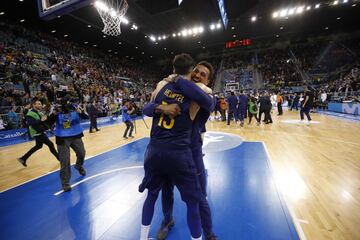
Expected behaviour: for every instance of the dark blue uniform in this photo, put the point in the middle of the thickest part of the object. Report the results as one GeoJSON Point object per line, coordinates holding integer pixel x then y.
{"type": "Point", "coordinates": [168, 156]}
{"type": "Point", "coordinates": [197, 154]}
{"type": "Point", "coordinates": [232, 111]}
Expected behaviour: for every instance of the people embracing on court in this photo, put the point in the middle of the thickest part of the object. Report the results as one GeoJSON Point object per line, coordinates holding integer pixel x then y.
{"type": "Point", "coordinates": [68, 134]}
{"type": "Point", "coordinates": [37, 124]}
{"type": "Point", "coordinates": [169, 156]}
{"type": "Point", "coordinates": [126, 112]}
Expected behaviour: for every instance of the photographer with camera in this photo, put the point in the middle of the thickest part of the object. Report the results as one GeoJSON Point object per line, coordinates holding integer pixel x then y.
{"type": "Point", "coordinates": [68, 134]}
{"type": "Point", "coordinates": [126, 111]}
{"type": "Point", "coordinates": [38, 124]}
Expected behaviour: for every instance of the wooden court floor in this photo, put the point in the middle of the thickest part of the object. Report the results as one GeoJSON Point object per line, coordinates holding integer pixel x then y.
{"type": "Point", "coordinates": [316, 167]}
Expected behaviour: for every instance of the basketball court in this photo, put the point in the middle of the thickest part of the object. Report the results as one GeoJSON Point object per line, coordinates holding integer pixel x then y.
{"type": "Point", "coordinates": [266, 182]}
{"type": "Point", "coordinates": [284, 181]}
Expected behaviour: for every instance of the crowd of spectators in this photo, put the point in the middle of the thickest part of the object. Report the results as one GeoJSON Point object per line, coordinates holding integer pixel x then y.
{"type": "Point", "coordinates": [37, 64]}
{"type": "Point", "coordinates": [33, 63]}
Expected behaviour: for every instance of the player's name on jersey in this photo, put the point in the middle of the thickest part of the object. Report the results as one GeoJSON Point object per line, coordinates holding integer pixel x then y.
{"type": "Point", "coordinates": [178, 97]}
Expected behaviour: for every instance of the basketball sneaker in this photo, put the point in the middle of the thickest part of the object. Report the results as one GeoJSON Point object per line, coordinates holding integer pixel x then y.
{"type": "Point", "coordinates": [66, 188]}
{"type": "Point", "coordinates": [22, 161]}
{"type": "Point", "coordinates": [81, 170]}
{"type": "Point", "coordinates": [165, 229]}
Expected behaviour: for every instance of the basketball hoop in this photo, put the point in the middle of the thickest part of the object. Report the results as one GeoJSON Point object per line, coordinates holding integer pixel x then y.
{"type": "Point", "coordinates": [112, 14]}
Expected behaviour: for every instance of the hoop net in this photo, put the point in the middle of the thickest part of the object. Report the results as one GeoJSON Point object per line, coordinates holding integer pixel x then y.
{"type": "Point", "coordinates": [112, 14]}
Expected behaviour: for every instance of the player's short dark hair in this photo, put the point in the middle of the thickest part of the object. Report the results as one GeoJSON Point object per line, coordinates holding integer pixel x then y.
{"type": "Point", "coordinates": [34, 100]}
{"type": "Point", "coordinates": [208, 66]}
{"type": "Point", "coordinates": [183, 63]}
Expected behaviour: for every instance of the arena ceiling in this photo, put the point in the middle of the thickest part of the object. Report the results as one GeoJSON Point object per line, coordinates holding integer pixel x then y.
{"type": "Point", "coordinates": [164, 17]}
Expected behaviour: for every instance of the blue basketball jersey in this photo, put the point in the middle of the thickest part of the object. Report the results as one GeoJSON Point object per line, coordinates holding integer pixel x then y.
{"type": "Point", "coordinates": [176, 132]}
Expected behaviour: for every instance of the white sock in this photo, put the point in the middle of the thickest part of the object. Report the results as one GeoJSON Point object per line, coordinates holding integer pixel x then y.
{"type": "Point", "coordinates": [144, 232]}
{"type": "Point", "coordinates": [199, 238]}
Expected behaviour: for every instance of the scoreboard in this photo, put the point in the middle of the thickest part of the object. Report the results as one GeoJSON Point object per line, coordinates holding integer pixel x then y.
{"type": "Point", "coordinates": [238, 43]}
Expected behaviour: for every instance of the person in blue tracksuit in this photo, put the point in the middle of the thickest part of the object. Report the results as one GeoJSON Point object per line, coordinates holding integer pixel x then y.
{"type": "Point", "coordinates": [232, 108]}
{"type": "Point", "coordinates": [203, 73]}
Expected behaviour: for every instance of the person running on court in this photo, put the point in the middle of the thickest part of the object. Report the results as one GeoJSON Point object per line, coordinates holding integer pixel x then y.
{"type": "Point", "coordinates": [37, 123]}
{"type": "Point", "coordinates": [201, 75]}
{"type": "Point", "coordinates": [168, 156]}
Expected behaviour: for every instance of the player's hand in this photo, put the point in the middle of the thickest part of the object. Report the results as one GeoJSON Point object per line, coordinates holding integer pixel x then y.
{"type": "Point", "coordinates": [170, 78]}
{"type": "Point", "coordinates": [172, 110]}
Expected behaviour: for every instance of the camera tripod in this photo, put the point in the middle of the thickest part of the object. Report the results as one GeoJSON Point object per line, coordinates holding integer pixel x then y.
{"type": "Point", "coordinates": [134, 121]}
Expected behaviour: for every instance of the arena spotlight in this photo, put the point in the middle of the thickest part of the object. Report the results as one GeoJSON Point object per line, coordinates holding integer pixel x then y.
{"type": "Point", "coordinates": [317, 5]}
{"type": "Point", "coordinates": [335, 2]}
{"type": "Point", "coordinates": [184, 33]}
{"type": "Point", "coordinates": [164, 37]}
{"type": "Point", "coordinates": [152, 38]}
{"type": "Point", "coordinates": [195, 30]}
{"type": "Point", "coordinates": [101, 6]}
{"type": "Point", "coordinates": [275, 15]}
{"type": "Point", "coordinates": [300, 10]}
{"type": "Point", "coordinates": [2, 13]}
{"type": "Point", "coordinates": [201, 29]}
{"type": "Point", "coordinates": [189, 31]}
{"type": "Point", "coordinates": [124, 20]}
{"type": "Point", "coordinates": [22, 20]}
{"type": "Point", "coordinates": [218, 25]}
{"type": "Point", "coordinates": [291, 11]}
{"type": "Point", "coordinates": [159, 38]}
{"type": "Point", "coordinates": [174, 34]}
{"type": "Point", "coordinates": [179, 34]}
{"type": "Point", "coordinates": [345, 1]}
{"type": "Point", "coordinates": [308, 8]}
{"type": "Point", "coordinates": [212, 26]}
{"type": "Point", "coordinates": [53, 31]}
{"type": "Point", "coordinates": [284, 12]}
{"type": "Point", "coordinates": [253, 18]}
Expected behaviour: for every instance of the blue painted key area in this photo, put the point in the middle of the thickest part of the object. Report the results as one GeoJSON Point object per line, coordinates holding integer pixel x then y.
{"type": "Point", "coordinates": [106, 205]}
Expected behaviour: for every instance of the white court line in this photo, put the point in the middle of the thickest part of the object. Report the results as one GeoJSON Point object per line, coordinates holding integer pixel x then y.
{"type": "Point", "coordinates": [303, 221]}
{"type": "Point", "coordinates": [98, 175]}
{"type": "Point", "coordinates": [289, 207]}
{"type": "Point", "coordinates": [73, 164]}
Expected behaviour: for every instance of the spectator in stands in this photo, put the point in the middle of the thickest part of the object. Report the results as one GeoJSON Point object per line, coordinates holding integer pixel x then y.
{"type": "Point", "coordinates": [13, 119]}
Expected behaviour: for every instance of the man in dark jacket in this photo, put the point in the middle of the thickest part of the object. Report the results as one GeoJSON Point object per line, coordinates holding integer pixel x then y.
{"type": "Point", "coordinates": [93, 112]}
{"type": "Point", "coordinates": [37, 126]}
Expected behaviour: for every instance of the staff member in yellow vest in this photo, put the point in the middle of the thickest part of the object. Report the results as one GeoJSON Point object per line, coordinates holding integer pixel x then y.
{"type": "Point", "coordinates": [37, 123]}
{"type": "Point", "coordinates": [68, 134]}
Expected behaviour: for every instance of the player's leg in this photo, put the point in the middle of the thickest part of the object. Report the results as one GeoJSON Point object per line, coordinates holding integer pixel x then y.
{"type": "Point", "coordinates": [167, 200]}
{"type": "Point", "coordinates": [50, 145]}
{"type": "Point", "coordinates": [183, 173]}
{"type": "Point", "coordinates": [65, 171]}
{"type": "Point", "coordinates": [131, 129]}
{"type": "Point", "coordinates": [78, 146]}
{"type": "Point", "coordinates": [127, 123]}
{"type": "Point", "coordinates": [204, 208]}
{"type": "Point", "coordinates": [38, 145]}
{"type": "Point", "coordinates": [153, 182]}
